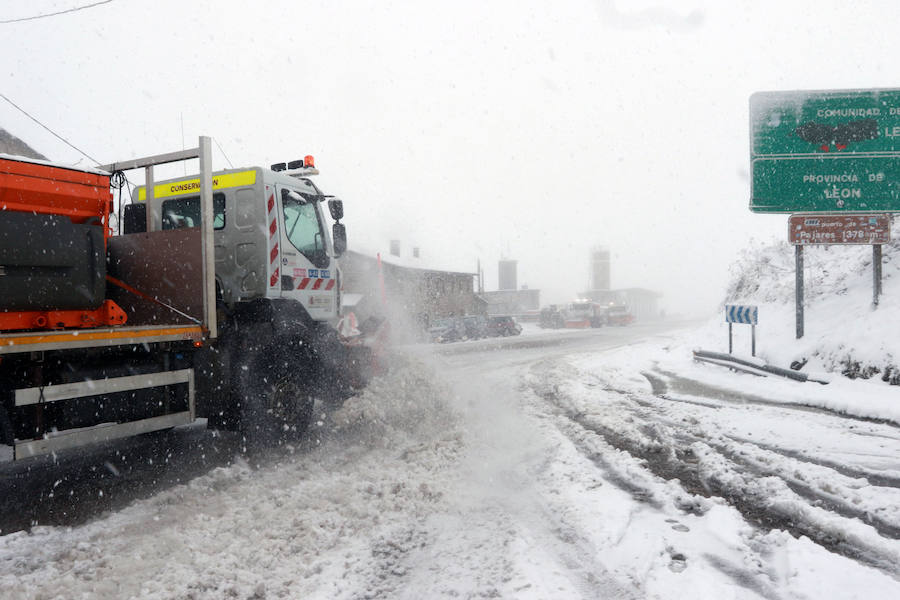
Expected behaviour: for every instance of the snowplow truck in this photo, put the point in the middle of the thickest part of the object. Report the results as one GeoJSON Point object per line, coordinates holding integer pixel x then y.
{"type": "Point", "coordinates": [582, 314]}
{"type": "Point", "coordinates": [218, 298]}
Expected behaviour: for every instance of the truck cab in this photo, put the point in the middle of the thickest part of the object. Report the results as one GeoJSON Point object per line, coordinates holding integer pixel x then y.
{"type": "Point", "coordinates": [270, 235]}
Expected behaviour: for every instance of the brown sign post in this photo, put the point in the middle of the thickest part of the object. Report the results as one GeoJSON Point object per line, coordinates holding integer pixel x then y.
{"type": "Point", "coordinates": [842, 229]}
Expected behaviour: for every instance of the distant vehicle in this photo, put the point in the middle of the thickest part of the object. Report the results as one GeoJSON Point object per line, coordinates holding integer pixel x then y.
{"type": "Point", "coordinates": [618, 314]}
{"type": "Point", "coordinates": [448, 329]}
{"type": "Point", "coordinates": [552, 317]}
{"type": "Point", "coordinates": [503, 326]}
{"type": "Point", "coordinates": [582, 314]}
{"type": "Point", "coordinates": [476, 327]}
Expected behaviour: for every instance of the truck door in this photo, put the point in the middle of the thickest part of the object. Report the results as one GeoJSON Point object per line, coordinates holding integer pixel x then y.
{"type": "Point", "coordinates": [306, 263]}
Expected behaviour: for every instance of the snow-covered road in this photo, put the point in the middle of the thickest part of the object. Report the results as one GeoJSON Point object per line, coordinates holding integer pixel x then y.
{"type": "Point", "coordinates": [590, 464]}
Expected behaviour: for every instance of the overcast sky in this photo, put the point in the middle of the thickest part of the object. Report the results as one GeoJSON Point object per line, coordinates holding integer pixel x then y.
{"type": "Point", "coordinates": [520, 129]}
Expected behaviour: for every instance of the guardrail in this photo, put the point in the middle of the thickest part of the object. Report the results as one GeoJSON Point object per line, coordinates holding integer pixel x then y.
{"type": "Point", "coordinates": [755, 367]}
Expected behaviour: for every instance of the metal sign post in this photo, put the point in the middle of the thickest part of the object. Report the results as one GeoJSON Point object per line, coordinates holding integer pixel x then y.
{"type": "Point", "coordinates": [876, 274]}
{"type": "Point", "coordinates": [798, 289]}
{"type": "Point", "coordinates": [748, 315]}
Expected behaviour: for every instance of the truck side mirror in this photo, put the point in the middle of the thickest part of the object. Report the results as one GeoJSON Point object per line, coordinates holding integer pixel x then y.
{"type": "Point", "coordinates": [336, 208]}
{"type": "Point", "coordinates": [339, 238]}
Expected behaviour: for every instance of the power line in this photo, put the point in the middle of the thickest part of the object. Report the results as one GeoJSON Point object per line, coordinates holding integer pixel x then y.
{"type": "Point", "coordinates": [61, 12]}
{"type": "Point", "coordinates": [24, 112]}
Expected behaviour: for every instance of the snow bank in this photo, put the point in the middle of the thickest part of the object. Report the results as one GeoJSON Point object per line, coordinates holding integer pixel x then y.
{"type": "Point", "coordinates": [843, 332]}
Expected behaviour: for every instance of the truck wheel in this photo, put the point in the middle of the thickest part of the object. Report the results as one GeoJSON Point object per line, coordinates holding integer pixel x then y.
{"type": "Point", "coordinates": [275, 403]}
{"type": "Point", "coordinates": [7, 436]}
{"type": "Point", "coordinates": [338, 370]}
{"type": "Point", "coordinates": [288, 404]}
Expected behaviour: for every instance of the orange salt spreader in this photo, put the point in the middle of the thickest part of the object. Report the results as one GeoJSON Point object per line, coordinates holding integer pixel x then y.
{"type": "Point", "coordinates": [54, 225]}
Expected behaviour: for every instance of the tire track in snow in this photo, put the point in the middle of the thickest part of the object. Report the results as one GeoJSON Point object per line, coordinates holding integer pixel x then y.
{"type": "Point", "coordinates": [805, 490]}
{"type": "Point", "coordinates": [730, 447]}
{"type": "Point", "coordinates": [677, 383]}
{"type": "Point", "coordinates": [876, 479]}
{"type": "Point", "coordinates": [673, 459]}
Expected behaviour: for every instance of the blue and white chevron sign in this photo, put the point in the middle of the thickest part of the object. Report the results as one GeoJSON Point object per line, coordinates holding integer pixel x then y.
{"type": "Point", "coordinates": [735, 313]}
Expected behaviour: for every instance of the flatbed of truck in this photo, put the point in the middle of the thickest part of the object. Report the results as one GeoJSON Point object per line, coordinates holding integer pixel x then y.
{"type": "Point", "coordinates": [37, 341]}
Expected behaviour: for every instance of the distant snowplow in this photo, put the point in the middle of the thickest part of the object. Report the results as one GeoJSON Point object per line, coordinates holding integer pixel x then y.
{"type": "Point", "coordinates": [583, 314]}
{"type": "Point", "coordinates": [619, 315]}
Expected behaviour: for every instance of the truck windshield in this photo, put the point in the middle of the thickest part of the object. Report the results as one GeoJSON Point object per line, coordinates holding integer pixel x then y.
{"type": "Point", "coordinates": [185, 212]}
{"type": "Point", "coordinates": [304, 228]}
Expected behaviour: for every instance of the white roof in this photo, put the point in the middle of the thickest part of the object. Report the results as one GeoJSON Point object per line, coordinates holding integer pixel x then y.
{"type": "Point", "coordinates": [410, 262]}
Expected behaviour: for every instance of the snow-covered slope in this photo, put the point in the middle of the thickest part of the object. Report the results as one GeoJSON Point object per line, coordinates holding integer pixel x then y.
{"type": "Point", "coordinates": [10, 144]}
{"type": "Point", "coordinates": [843, 332]}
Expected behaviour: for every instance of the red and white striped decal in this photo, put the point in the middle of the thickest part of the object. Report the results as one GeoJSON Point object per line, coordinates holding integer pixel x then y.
{"type": "Point", "coordinates": [273, 239]}
{"type": "Point", "coordinates": [316, 282]}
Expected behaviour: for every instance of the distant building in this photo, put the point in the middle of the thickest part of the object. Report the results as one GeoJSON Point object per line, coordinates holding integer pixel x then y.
{"type": "Point", "coordinates": [411, 296]}
{"type": "Point", "coordinates": [509, 299]}
{"type": "Point", "coordinates": [512, 302]}
{"type": "Point", "coordinates": [642, 303]}
{"type": "Point", "coordinates": [507, 275]}
{"type": "Point", "coordinates": [600, 269]}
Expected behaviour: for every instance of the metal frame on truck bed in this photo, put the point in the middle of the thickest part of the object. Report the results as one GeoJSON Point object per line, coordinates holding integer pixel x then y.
{"type": "Point", "coordinates": [204, 327]}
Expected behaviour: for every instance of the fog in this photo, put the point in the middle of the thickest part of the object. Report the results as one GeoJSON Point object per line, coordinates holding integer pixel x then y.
{"type": "Point", "coordinates": [475, 131]}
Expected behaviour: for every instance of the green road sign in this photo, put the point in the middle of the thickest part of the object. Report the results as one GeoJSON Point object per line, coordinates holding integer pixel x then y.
{"type": "Point", "coordinates": [829, 151]}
